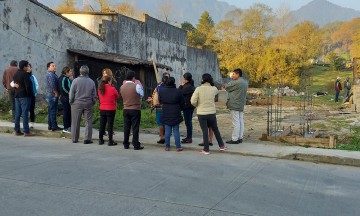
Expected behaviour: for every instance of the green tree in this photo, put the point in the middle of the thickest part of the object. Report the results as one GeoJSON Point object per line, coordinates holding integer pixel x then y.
{"type": "Point", "coordinates": [203, 28]}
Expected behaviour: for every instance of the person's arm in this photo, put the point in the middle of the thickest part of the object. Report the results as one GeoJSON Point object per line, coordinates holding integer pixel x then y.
{"type": "Point", "coordinates": [93, 93]}
{"type": "Point", "coordinates": [195, 97]}
{"type": "Point", "coordinates": [230, 86]}
{"type": "Point", "coordinates": [116, 93]}
{"type": "Point", "coordinates": [28, 84]}
{"type": "Point", "coordinates": [139, 90]}
{"type": "Point", "coordinates": [36, 83]}
{"type": "Point", "coordinates": [182, 100]}
{"type": "Point", "coordinates": [72, 92]}
{"type": "Point", "coordinates": [4, 80]}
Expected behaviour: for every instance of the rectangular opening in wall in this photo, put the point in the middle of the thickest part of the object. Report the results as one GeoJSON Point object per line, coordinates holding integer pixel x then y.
{"type": "Point", "coordinates": [100, 28]}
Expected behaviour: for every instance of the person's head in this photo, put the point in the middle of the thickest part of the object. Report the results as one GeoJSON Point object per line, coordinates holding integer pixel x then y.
{"type": "Point", "coordinates": [107, 72]}
{"type": "Point", "coordinates": [338, 78]}
{"type": "Point", "coordinates": [207, 78]}
{"type": "Point", "coordinates": [14, 63]}
{"type": "Point", "coordinates": [170, 81]}
{"type": "Point", "coordinates": [29, 68]}
{"type": "Point", "coordinates": [130, 75]}
{"type": "Point", "coordinates": [105, 80]}
{"type": "Point", "coordinates": [24, 65]}
{"type": "Point", "coordinates": [237, 73]}
{"type": "Point", "coordinates": [67, 71]}
{"type": "Point", "coordinates": [188, 78]}
{"type": "Point", "coordinates": [347, 78]}
{"type": "Point", "coordinates": [51, 66]}
{"type": "Point", "coordinates": [84, 70]}
{"type": "Point", "coordinates": [164, 78]}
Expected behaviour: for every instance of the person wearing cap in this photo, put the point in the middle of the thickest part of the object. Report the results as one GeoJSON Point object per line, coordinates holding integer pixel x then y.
{"type": "Point", "coordinates": [338, 88]}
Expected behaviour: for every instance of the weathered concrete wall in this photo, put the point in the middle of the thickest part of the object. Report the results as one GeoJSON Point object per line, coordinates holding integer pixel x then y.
{"type": "Point", "coordinates": [168, 44]}
{"type": "Point", "coordinates": [29, 31]}
{"type": "Point", "coordinates": [202, 61]}
{"type": "Point", "coordinates": [127, 36]}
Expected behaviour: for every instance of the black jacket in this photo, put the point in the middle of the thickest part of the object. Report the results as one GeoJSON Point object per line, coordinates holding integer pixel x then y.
{"type": "Point", "coordinates": [25, 85]}
{"type": "Point", "coordinates": [187, 90]}
{"type": "Point", "coordinates": [64, 85]}
{"type": "Point", "coordinates": [172, 102]}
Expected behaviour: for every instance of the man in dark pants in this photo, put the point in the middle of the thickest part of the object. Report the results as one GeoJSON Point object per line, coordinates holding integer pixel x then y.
{"type": "Point", "coordinates": [131, 94]}
{"type": "Point", "coordinates": [7, 79]}
{"type": "Point", "coordinates": [23, 94]}
{"type": "Point", "coordinates": [52, 96]}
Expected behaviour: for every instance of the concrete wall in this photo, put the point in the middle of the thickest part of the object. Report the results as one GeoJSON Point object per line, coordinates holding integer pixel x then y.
{"type": "Point", "coordinates": [30, 31]}
{"type": "Point", "coordinates": [202, 61]}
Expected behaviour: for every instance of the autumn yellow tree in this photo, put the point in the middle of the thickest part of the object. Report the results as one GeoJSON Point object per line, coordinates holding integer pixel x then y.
{"type": "Point", "coordinates": [66, 6]}
{"type": "Point", "coordinates": [343, 37]}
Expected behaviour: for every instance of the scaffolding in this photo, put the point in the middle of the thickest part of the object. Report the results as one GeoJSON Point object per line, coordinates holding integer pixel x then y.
{"type": "Point", "coordinates": [274, 110]}
{"type": "Point", "coordinates": [306, 106]}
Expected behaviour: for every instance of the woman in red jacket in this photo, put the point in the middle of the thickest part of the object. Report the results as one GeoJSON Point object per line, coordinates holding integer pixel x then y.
{"type": "Point", "coordinates": [107, 96]}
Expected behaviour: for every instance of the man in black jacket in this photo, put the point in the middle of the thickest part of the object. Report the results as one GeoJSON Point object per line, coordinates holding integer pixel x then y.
{"type": "Point", "coordinates": [23, 94]}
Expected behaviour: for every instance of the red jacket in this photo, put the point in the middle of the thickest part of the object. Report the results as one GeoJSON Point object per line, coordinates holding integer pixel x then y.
{"type": "Point", "coordinates": [108, 100]}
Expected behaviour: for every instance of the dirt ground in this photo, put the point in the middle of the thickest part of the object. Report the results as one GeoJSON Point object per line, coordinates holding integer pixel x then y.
{"type": "Point", "coordinates": [330, 122]}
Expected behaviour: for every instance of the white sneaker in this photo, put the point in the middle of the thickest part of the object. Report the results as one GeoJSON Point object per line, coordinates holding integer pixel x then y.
{"type": "Point", "coordinates": [32, 124]}
{"type": "Point", "coordinates": [68, 130]}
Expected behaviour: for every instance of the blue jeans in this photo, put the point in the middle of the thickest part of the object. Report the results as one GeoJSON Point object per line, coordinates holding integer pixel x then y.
{"type": "Point", "coordinates": [52, 110]}
{"type": "Point", "coordinates": [337, 95]}
{"type": "Point", "coordinates": [168, 130]}
{"type": "Point", "coordinates": [22, 106]}
{"type": "Point", "coordinates": [188, 114]}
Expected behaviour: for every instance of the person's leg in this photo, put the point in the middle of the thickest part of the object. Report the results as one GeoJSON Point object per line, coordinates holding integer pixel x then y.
{"type": "Point", "coordinates": [127, 127]}
{"type": "Point", "coordinates": [76, 112]}
{"type": "Point", "coordinates": [17, 115]}
{"type": "Point", "coordinates": [110, 125]}
{"type": "Point", "coordinates": [161, 126]}
{"type": "Point", "coordinates": [12, 102]}
{"type": "Point", "coordinates": [136, 117]}
{"type": "Point", "coordinates": [167, 136]}
{"type": "Point", "coordinates": [50, 103]}
{"type": "Point", "coordinates": [213, 124]}
{"type": "Point", "coordinates": [235, 116]}
{"type": "Point", "coordinates": [176, 132]}
{"type": "Point", "coordinates": [204, 128]}
{"type": "Point", "coordinates": [103, 119]}
{"type": "Point", "coordinates": [188, 113]}
{"type": "Point", "coordinates": [211, 136]}
{"type": "Point", "coordinates": [242, 127]}
{"type": "Point", "coordinates": [337, 96]}
{"type": "Point", "coordinates": [88, 114]}
{"type": "Point", "coordinates": [25, 106]}
{"type": "Point", "coordinates": [32, 109]}
{"type": "Point", "coordinates": [66, 112]}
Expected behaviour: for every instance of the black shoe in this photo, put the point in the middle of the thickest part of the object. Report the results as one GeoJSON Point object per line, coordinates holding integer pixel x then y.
{"type": "Point", "coordinates": [232, 142]}
{"type": "Point", "coordinates": [88, 141]}
{"type": "Point", "coordinates": [186, 140]}
{"type": "Point", "coordinates": [75, 141]}
{"type": "Point", "coordinates": [57, 129]}
{"type": "Point", "coordinates": [49, 128]}
{"type": "Point", "coordinates": [139, 148]}
{"type": "Point", "coordinates": [112, 143]}
{"type": "Point", "coordinates": [202, 144]}
{"type": "Point", "coordinates": [161, 141]}
{"type": "Point", "coordinates": [126, 145]}
{"type": "Point", "coordinates": [19, 133]}
{"type": "Point", "coordinates": [240, 140]}
{"type": "Point", "coordinates": [101, 142]}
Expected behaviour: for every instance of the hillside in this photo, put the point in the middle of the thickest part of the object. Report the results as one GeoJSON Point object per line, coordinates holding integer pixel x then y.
{"type": "Point", "coordinates": [323, 12]}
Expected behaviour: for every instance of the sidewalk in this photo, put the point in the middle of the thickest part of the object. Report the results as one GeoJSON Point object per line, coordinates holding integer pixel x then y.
{"type": "Point", "coordinates": [258, 149]}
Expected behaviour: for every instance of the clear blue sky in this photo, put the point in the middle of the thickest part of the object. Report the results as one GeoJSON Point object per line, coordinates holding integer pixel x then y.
{"type": "Point", "coordinates": [293, 4]}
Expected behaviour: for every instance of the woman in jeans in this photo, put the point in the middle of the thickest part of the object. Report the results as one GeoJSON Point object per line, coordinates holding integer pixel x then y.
{"type": "Point", "coordinates": [172, 102]}
{"type": "Point", "coordinates": [107, 96]}
{"type": "Point", "coordinates": [204, 100]}
{"type": "Point", "coordinates": [187, 90]}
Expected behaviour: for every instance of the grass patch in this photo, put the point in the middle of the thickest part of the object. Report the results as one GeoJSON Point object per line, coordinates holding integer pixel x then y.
{"type": "Point", "coordinates": [352, 142]}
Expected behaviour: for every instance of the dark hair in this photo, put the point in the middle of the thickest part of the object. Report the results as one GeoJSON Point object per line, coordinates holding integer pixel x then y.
{"type": "Point", "coordinates": [104, 80]}
{"type": "Point", "coordinates": [207, 78]}
{"type": "Point", "coordinates": [65, 70]}
{"type": "Point", "coordinates": [48, 64]}
{"type": "Point", "coordinates": [130, 75]}
{"type": "Point", "coordinates": [13, 63]}
{"type": "Point", "coordinates": [188, 76]}
{"type": "Point", "coordinates": [164, 79]}
{"type": "Point", "coordinates": [238, 71]}
{"type": "Point", "coordinates": [170, 81]}
{"type": "Point", "coordinates": [22, 64]}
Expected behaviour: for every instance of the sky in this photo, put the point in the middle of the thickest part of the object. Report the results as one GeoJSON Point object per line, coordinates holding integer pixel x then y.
{"type": "Point", "coordinates": [292, 4]}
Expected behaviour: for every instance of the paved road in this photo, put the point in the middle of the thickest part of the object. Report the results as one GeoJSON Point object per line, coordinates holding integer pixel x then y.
{"type": "Point", "coordinates": [43, 176]}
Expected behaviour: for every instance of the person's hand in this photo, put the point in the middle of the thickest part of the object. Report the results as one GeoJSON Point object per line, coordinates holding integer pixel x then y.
{"type": "Point", "coordinates": [149, 100]}
{"type": "Point", "coordinates": [16, 85]}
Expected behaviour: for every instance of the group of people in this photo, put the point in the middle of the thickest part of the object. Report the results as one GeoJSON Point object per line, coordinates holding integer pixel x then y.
{"type": "Point", "coordinates": [339, 87]}
{"type": "Point", "coordinates": [173, 105]}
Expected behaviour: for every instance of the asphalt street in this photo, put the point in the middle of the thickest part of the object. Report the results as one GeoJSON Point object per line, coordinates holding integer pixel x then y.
{"type": "Point", "coordinates": [49, 176]}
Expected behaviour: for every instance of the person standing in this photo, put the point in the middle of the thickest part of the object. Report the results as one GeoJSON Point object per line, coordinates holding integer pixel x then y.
{"type": "Point", "coordinates": [6, 80]}
{"type": "Point", "coordinates": [82, 98]}
{"type": "Point", "coordinates": [172, 101]}
{"type": "Point", "coordinates": [131, 94]}
{"type": "Point", "coordinates": [204, 101]}
{"type": "Point", "coordinates": [187, 90]}
{"type": "Point", "coordinates": [23, 94]}
{"type": "Point", "coordinates": [155, 104]}
{"type": "Point", "coordinates": [347, 88]}
{"type": "Point", "coordinates": [108, 96]}
{"type": "Point", "coordinates": [52, 96]}
{"type": "Point", "coordinates": [338, 88]}
{"type": "Point", "coordinates": [237, 89]}
{"type": "Point", "coordinates": [65, 81]}
{"type": "Point", "coordinates": [35, 87]}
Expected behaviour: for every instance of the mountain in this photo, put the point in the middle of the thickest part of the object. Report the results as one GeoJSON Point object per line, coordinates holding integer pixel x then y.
{"type": "Point", "coordinates": [181, 10]}
{"type": "Point", "coordinates": [323, 12]}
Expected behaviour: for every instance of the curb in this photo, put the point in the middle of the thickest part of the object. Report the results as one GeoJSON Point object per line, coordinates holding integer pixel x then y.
{"type": "Point", "coordinates": [327, 159]}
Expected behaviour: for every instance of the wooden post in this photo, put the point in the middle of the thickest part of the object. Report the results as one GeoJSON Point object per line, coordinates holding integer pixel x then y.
{"type": "Point", "coordinates": [156, 71]}
{"type": "Point", "coordinates": [332, 142]}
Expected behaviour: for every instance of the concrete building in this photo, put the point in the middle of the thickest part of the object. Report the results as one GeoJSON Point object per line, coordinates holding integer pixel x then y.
{"type": "Point", "coordinates": [38, 34]}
